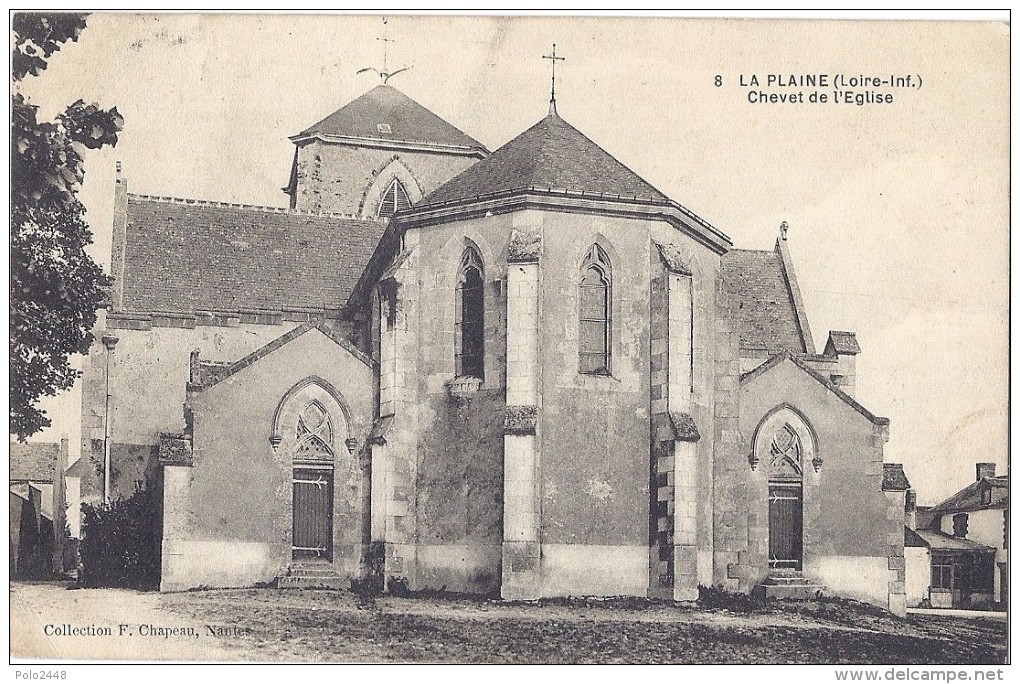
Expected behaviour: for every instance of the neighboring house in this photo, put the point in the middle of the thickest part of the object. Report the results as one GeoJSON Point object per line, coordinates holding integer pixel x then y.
{"type": "Point", "coordinates": [526, 371]}
{"type": "Point", "coordinates": [958, 555]}
{"type": "Point", "coordinates": [37, 508]}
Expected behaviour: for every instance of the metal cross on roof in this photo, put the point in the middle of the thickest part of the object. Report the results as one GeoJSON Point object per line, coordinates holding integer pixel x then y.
{"type": "Point", "coordinates": [384, 74]}
{"type": "Point", "coordinates": [553, 58]}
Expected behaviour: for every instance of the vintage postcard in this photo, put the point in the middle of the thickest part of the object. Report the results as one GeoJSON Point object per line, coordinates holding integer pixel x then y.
{"type": "Point", "coordinates": [505, 339]}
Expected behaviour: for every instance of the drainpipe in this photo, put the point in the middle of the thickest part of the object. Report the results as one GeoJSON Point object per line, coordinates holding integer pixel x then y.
{"type": "Point", "coordinates": [109, 341]}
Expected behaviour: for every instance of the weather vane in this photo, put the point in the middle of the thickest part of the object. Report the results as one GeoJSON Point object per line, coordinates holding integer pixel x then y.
{"type": "Point", "coordinates": [384, 74]}
{"type": "Point", "coordinates": [553, 58]}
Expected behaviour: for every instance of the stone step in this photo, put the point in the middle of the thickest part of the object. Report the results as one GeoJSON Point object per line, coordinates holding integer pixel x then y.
{"type": "Point", "coordinates": [311, 571]}
{"type": "Point", "coordinates": [306, 582]}
{"type": "Point", "coordinates": [784, 577]}
{"type": "Point", "coordinates": [785, 572]}
{"type": "Point", "coordinates": [787, 592]}
{"type": "Point", "coordinates": [786, 581]}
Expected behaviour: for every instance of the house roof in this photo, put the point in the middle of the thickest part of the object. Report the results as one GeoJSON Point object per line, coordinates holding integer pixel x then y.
{"type": "Point", "coordinates": [818, 377]}
{"type": "Point", "coordinates": [35, 461]}
{"type": "Point", "coordinates": [938, 541]}
{"type": "Point", "coordinates": [893, 478]}
{"type": "Point", "coordinates": [970, 497]}
{"type": "Point", "coordinates": [384, 106]}
{"type": "Point", "coordinates": [551, 155]}
{"type": "Point", "coordinates": [188, 255]}
{"type": "Point", "coordinates": [842, 342]}
{"type": "Point", "coordinates": [765, 309]}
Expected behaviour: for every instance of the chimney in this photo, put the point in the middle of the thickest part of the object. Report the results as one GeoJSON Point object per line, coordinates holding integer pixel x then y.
{"type": "Point", "coordinates": [985, 470]}
{"type": "Point", "coordinates": [910, 509]}
{"type": "Point", "coordinates": [842, 346]}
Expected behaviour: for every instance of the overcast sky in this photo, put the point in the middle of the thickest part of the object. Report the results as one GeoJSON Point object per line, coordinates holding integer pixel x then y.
{"type": "Point", "coordinates": [898, 213]}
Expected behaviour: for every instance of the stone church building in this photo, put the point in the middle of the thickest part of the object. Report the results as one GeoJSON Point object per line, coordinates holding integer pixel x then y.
{"type": "Point", "coordinates": [524, 372]}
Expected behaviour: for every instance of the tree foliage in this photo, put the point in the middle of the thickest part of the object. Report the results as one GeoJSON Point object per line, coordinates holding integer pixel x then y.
{"type": "Point", "coordinates": [56, 287]}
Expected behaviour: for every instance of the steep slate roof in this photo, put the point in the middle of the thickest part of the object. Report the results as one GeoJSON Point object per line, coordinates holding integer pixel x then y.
{"type": "Point", "coordinates": [969, 498]}
{"type": "Point", "coordinates": [36, 461]}
{"type": "Point", "coordinates": [938, 541]}
{"type": "Point", "coordinates": [551, 155]}
{"type": "Point", "coordinates": [893, 478]}
{"type": "Point", "coordinates": [185, 255]}
{"type": "Point", "coordinates": [764, 310]}
{"type": "Point", "coordinates": [408, 121]}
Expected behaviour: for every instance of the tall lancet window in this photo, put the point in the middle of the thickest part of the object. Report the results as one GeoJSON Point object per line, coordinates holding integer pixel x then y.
{"type": "Point", "coordinates": [470, 316]}
{"type": "Point", "coordinates": [594, 346]}
{"type": "Point", "coordinates": [394, 199]}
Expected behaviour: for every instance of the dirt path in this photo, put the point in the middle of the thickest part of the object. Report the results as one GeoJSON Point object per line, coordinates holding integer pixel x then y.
{"type": "Point", "coordinates": [265, 625]}
{"type": "Point", "coordinates": [50, 622]}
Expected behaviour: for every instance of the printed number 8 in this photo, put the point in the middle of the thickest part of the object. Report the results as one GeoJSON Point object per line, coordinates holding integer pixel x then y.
{"type": "Point", "coordinates": [718, 81]}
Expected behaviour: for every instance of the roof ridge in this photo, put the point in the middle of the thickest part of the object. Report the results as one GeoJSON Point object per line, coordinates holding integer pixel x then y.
{"type": "Point", "coordinates": [188, 202]}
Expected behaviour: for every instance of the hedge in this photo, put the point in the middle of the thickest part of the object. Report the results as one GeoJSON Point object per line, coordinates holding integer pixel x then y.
{"type": "Point", "coordinates": [121, 542]}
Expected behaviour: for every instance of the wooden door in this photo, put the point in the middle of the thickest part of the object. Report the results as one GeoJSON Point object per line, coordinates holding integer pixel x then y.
{"type": "Point", "coordinates": [786, 533]}
{"type": "Point", "coordinates": [313, 513]}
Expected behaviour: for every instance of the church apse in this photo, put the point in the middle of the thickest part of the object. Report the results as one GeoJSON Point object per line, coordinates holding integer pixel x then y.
{"type": "Point", "coordinates": [440, 472]}
{"type": "Point", "coordinates": [593, 442]}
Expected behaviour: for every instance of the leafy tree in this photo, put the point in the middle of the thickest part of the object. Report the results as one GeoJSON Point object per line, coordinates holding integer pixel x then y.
{"type": "Point", "coordinates": [55, 286]}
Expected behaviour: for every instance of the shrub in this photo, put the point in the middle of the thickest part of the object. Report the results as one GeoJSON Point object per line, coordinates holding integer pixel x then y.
{"type": "Point", "coordinates": [121, 540]}
{"type": "Point", "coordinates": [737, 602]}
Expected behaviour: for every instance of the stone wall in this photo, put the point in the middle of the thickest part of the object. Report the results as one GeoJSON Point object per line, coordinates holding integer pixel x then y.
{"type": "Point", "coordinates": [441, 470]}
{"type": "Point", "coordinates": [340, 178]}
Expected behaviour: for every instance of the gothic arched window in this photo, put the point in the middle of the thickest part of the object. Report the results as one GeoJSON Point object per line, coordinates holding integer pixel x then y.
{"type": "Point", "coordinates": [394, 199]}
{"type": "Point", "coordinates": [595, 313]}
{"type": "Point", "coordinates": [470, 316]}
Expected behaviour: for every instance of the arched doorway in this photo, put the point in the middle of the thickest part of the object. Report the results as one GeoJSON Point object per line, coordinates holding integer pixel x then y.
{"type": "Point", "coordinates": [784, 443]}
{"type": "Point", "coordinates": [313, 426]}
{"type": "Point", "coordinates": [786, 500]}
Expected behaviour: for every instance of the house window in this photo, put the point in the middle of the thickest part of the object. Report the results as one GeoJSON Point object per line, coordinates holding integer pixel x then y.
{"type": "Point", "coordinates": [941, 574]}
{"type": "Point", "coordinates": [960, 525]}
{"type": "Point", "coordinates": [986, 495]}
{"type": "Point", "coordinates": [394, 199]}
{"type": "Point", "coordinates": [595, 346]}
{"type": "Point", "coordinates": [470, 317]}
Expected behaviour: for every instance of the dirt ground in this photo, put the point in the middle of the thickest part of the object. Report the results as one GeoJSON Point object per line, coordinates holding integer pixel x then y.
{"type": "Point", "coordinates": [309, 625]}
